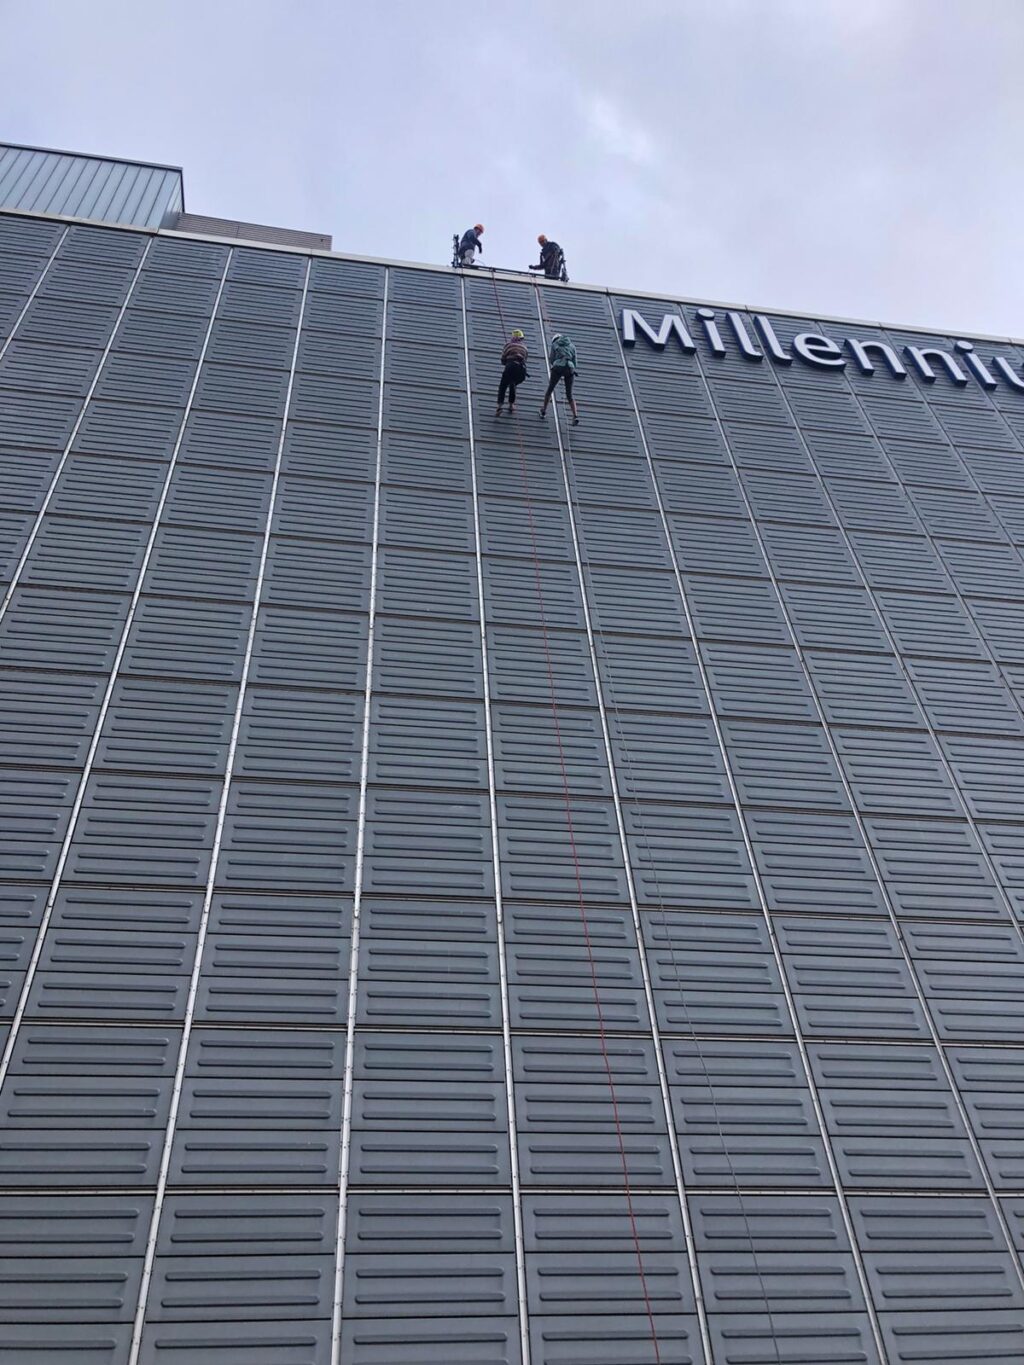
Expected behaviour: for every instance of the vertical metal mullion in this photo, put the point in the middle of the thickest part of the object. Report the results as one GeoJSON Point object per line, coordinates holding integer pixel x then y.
{"type": "Point", "coordinates": [666, 1098]}
{"type": "Point", "coordinates": [19, 568]}
{"type": "Point", "coordinates": [13, 334]}
{"type": "Point", "coordinates": [506, 1027]}
{"type": "Point", "coordinates": [193, 991]}
{"type": "Point", "coordinates": [90, 757]}
{"type": "Point", "coordinates": [826, 1139]}
{"type": "Point", "coordinates": [357, 896]}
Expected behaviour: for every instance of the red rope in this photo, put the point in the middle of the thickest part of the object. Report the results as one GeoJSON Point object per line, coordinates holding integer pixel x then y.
{"type": "Point", "coordinates": [602, 1032]}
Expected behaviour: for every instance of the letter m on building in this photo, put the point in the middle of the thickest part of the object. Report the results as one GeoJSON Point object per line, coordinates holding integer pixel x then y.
{"type": "Point", "coordinates": [671, 324]}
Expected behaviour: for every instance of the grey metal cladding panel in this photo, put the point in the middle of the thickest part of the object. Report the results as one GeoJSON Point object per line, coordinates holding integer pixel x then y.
{"type": "Point", "coordinates": [25, 478]}
{"type": "Point", "coordinates": [622, 481]}
{"type": "Point", "coordinates": [949, 1337]}
{"type": "Point", "coordinates": [874, 506]}
{"type": "Point", "coordinates": [234, 389]}
{"type": "Point", "coordinates": [965, 696]}
{"type": "Point", "coordinates": [242, 1289]}
{"type": "Point", "coordinates": [328, 399]}
{"type": "Point", "coordinates": [747, 681]}
{"type": "Point", "coordinates": [64, 630]}
{"type": "Point", "coordinates": [311, 648]}
{"type": "Point", "coordinates": [84, 1103]}
{"type": "Point", "coordinates": [900, 562]}
{"type": "Point", "coordinates": [927, 462]}
{"type": "Point", "coordinates": [432, 519]}
{"type": "Point", "coordinates": [863, 689]}
{"type": "Point", "coordinates": [48, 368]}
{"type": "Point", "coordinates": [736, 1283]}
{"type": "Point", "coordinates": [183, 1343]}
{"type": "Point", "coordinates": [551, 1062]}
{"type": "Point", "coordinates": [240, 440]}
{"type": "Point", "coordinates": [184, 559]}
{"type": "Point", "coordinates": [705, 1107]}
{"type": "Point", "coordinates": [63, 1289]}
{"type": "Point", "coordinates": [29, 236]}
{"type": "Point", "coordinates": [993, 473]}
{"type": "Point", "coordinates": [1011, 513]}
{"type": "Point", "coordinates": [729, 609]}
{"type": "Point", "coordinates": [532, 747]}
{"type": "Point", "coordinates": [259, 1103]}
{"type": "Point", "coordinates": [82, 1226]}
{"type": "Point", "coordinates": [185, 257]}
{"type": "Point", "coordinates": [612, 1283]}
{"type": "Point", "coordinates": [68, 322]}
{"type": "Point", "coordinates": [254, 1156]}
{"type": "Point", "coordinates": [87, 554]}
{"type": "Point", "coordinates": [783, 765]}
{"type": "Point", "coordinates": [985, 570]}
{"type": "Point", "coordinates": [650, 673]}
{"type": "Point", "coordinates": [47, 719]}
{"type": "Point", "coordinates": [826, 1339]}
{"type": "Point", "coordinates": [149, 724]}
{"type": "Point", "coordinates": [894, 772]}
{"type": "Point", "coordinates": [606, 925]}
{"type": "Point", "coordinates": [21, 909]}
{"type": "Point", "coordinates": [700, 490]}
{"type": "Point", "coordinates": [93, 1158]}
{"type": "Point", "coordinates": [989, 774]}
{"type": "Point", "coordinates": [948, 513]}
{"type": "Point", "coordinates": [428, 1002]}
{"type": "Point", "coordinates": [146, 379]}
{"type": "Point", "coordinates": [1002, 626]}
{"type": "Point", "coordinates": [31, 420]}
{"type": "Point", "coordinates": [327, 452]}
{"type": "Point", "coordinates": [426, 656]}
{"type": "Point", "coordinates": [932, 625]}
{"type": "Point", "coordinates": [768, 1223]}
{"type": "Point", "coordinates": [429, 412]}
{"type": "Point", "coordinates": [716, 546]}
{"type": "Point", "coordinates": [776, 496]}
{"type": "Point", "coordinates": [408, 459]}
{"type": "Point", "coordinates": [423, 1058]}
{"type": "Point", "coordinates": [588, 1159]}
{"type": "Point", "coordinates": [147, 996]}
{"type": "Point", "coordinates": [54, 1050]}
{"type": "Point", "coordinates": [676, 870]}
{"type": "Point", "coordinates": [298, 734]}
{"type": "Point", "coordinates": [407, 918]}
{"type": "Point", "coordinates": [400, 1104]}
{"type": "Point", "coordinates": [516, 528]}
{"type": "Point", "coordinates": [429, 1158]}
{"type": "Point", "coordinates": [738, 402]}
{"type": "Point", "coordinates": [187, 640]}
{"type": "Point", "coordinates": [575, 1223]}
{"type": "Point", "coordinates": [974, 425]}
{"type": "Point", "coordinates": [929, 1163]}
{"type": "Point", "coordinates": [168, 291]}
{"type": "Point", "coordinates": [423, 1341]}
{"type": "Point", "coordinates": [267, 304]}
{"type": "Point", "coordinates": [761, 1162]}
{"type": "Point", "coordinates": [808, 553]}
{"type": "Point", "coordinates": [672, 437]}
{"type": "Point", "coordinates": [130, 430]}
{"type": "Point", "coordinates": [331, 312]}
{"type": "Point", "coordinates": [440, 741]}
{"type": "Point", "coordinates": [307, 507]}
{"type": "Point", "coordinates": [834, 618]}
{"type": "Point", "coordinates": [514, 591]}
{"type": "Point", "coordinates": [91, 281]}
{"type": "Point", "coordinates": [599, 1107]}
{"type": "Point", "coordinates": [233, 499]}
{"type": "Point", "coordinates": [527, 666]}
{"type": "Point", "coordinates": [625, 1340]}
{"type": "Point", "coordinates": [627, 536]}
{"type": "Point", "coordinates": [337, 353]}
{"type": "Point", "coordinates": [410, 1285]}
{"type": "Point", "coordinates": [415, 582]}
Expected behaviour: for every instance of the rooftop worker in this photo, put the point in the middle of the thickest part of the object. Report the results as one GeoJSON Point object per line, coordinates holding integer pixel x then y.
{"type": "Point", "coordinates": [470, 244]}
{"type": "Point", "coordinates": [562, 359]}
{"type": "Point", "coordinates": [513, 358]}
{"type": "Point", "coordinates": [550, 258]}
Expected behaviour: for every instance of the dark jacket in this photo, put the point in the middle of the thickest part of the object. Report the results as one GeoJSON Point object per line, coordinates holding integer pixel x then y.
{"type": "Point", "coordinates": [550, 254]}
{"type": "Point", "coordinates": [470, 238]}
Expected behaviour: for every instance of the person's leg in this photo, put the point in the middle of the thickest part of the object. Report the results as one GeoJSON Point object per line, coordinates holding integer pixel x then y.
{"type": "Point", "coordinates": [556, 375]}
{"type": "Point", "coordinates": [512, 395]}
{"type": "Point", "coordinates": [569, 378]}
{"type": "Point", "coordinates": [503, 388]}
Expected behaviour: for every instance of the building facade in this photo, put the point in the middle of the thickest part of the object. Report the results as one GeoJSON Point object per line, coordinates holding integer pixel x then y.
{"type": "Point", "coordinates": [484, 892]}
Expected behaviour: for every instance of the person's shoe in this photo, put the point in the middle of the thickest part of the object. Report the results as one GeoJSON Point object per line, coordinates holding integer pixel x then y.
{"type": "Point", "coordinates": [511, 409]}
{"type": "Point", "coordinates": [543, 413]}
{"type": "Point", "coordinates": [498, 411]}
{"type": "Point", "coordinates": [575, 421]}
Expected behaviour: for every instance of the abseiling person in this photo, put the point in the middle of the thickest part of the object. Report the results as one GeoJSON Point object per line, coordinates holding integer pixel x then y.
{"type": "Point", "coordinates": [513, 359]}
{"type": "Point", "coordinates": [562, 360]}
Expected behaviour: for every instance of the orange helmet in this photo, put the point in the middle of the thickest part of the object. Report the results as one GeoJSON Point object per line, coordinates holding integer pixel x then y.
{"type": "Point", "coordinates": [542, 239]}
{"type": "Point", "coordinates": [478, 227]}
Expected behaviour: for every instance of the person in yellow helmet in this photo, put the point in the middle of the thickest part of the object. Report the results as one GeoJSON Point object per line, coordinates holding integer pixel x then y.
{"type": "Point", "coordinates": [513, 359]}
{"type": "Point", "coordinates": [550, 258]}
{"type": "Point", "coordinates": [470, 244]}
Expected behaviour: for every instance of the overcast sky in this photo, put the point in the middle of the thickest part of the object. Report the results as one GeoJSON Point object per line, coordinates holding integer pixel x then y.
{"type": "Point", "coordinates": [856, 158]}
